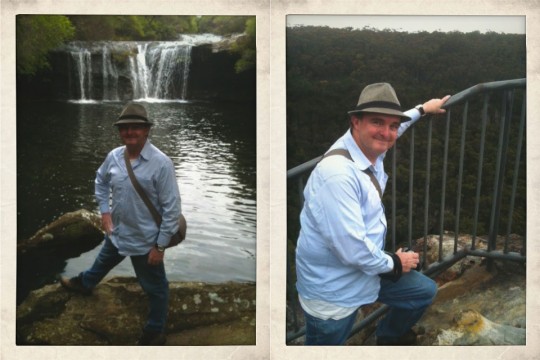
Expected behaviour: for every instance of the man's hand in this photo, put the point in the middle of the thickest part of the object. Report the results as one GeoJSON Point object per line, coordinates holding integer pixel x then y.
{"type": "Point", "coordinates": [155, 257]}
{"type": "Point", "coordinates": [106, 223]}
{"type": "Point", "coordinates": [433, 106]}
{"type": "Point", "coordinates": [409, 260]}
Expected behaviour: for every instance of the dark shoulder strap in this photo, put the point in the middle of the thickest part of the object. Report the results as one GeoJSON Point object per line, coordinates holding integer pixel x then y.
{"type": "Point", "coordinates": [342, 152]}
{"type": "Point", "coordinates": [374, 181]}
{"type": "Point", "coordinates": [140, 191]}
{"type": "Point", "coordinates": [345, 152]}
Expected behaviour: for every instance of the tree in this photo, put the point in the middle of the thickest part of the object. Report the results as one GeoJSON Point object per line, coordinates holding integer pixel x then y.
{"type": "Point", "coordinates": [36, 36]}
{"type": "Point", "coordinates": [246, 46]}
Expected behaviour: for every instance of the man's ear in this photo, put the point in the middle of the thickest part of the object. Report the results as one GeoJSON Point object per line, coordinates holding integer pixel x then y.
{"type": "Point", "coordinates": [355, 119]}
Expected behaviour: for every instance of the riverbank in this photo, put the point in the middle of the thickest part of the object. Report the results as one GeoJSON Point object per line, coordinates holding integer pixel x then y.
{"type": "Point", "coordinates": [199, 314]}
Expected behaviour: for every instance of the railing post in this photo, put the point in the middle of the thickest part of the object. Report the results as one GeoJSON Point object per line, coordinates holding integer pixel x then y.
{"type": "Point", "coordinates": [443, 186]}
{"type": "Point", "coordinates": [460, 175]}
{"type": "Point", "coordinates": [394, 198]}
{"type": "Point", "coordinates": [499, 173]}
{"type": "Point", "coordinates": [426, 189]}
{"type": "Point", "coordinates": [411, 182]}
{"type": "Point", "coordinates": [515, 173]}
{"type": "Point", "coordinates": [480, 167]}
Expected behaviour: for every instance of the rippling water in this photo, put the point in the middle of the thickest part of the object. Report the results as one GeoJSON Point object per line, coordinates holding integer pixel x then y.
{"type": "Point", "coordinates": [61, 145]}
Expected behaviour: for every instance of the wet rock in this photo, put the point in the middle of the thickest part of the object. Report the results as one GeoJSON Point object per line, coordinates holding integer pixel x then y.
{"type": "Point", "coordinates": [70, 235]}
{"type": "Point", "coordinates": [42, 256]}
{"type": "Point", "coordinates": [199, 314]}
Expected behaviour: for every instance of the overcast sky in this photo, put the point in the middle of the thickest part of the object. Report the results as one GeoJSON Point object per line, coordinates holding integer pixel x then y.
{"type": "Point", "coordinates": [500, 24]}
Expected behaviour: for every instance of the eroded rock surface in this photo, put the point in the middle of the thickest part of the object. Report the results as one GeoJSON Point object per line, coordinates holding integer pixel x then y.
{"type": "Point", "coordinates": [199, 314]}
{"type": "Point", "coordinates": [471, 328]}
{"type": "Point", "coordinates": [70, 235]}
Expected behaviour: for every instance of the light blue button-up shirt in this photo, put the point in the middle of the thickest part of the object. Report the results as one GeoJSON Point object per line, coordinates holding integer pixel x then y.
{"type": "Point", "coordinates": [134, 230]}
{"type": "Point", "coordinates": [340, 249]}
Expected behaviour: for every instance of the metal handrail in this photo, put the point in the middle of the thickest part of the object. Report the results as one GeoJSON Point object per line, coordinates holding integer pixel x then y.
{"type": "Point", "coordinates": [507, 87]}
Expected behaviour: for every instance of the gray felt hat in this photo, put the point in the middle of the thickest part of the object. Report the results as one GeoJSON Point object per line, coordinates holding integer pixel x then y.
{"type": "Point", "coordinates": [133, 114]}
{"type": "Point", "coordinates": [379, 98]}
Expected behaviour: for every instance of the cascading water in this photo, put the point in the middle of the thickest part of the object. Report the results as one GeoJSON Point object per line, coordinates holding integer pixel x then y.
{"type": "Point", "coordinates": [139, 71]}
{"type": "Point", "coordinates": [147, 71]}
{"type": "Point", "coordinates": [161, 71]}
{"type": "Point", "coordinates": [110, 88]}
{"type": "Point", "coordinates": [83, 62]}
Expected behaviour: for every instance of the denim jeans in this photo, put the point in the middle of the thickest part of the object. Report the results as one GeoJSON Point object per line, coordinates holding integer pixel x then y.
{"type": "Point", "coordinates": [328, 332]}
{"type": "Point", "coordinates": [408, 299]}
{"type": "Point", "coordinates": [152, 279]}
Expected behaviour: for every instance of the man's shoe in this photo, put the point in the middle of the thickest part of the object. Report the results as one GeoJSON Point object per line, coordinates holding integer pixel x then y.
{"type": "Point", "coordinates": [152, 338]}
{"type": "Point", "coordinates": [75, 284]}
{"type": "Point", "coordinates": [409, 338]}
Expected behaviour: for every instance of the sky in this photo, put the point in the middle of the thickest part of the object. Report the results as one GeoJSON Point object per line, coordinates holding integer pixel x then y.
{"type": "Point", "coordinates": [465, 23]}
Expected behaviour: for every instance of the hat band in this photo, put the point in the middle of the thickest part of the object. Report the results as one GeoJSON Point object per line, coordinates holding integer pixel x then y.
{"type": "Point", "coordinates": [133, 117]}
{"type": "Point", "coordinates": [379, 104]}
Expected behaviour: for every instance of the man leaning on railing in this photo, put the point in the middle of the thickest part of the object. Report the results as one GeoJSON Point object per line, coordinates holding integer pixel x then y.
{"type": "Point", "coordinates": [340, 261]}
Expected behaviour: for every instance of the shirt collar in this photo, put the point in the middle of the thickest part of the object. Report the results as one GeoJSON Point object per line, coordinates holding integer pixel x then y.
{"type": "Point", "coordinates": [357, 154]}
{"type": "Point", "coordinates": [146, 152]}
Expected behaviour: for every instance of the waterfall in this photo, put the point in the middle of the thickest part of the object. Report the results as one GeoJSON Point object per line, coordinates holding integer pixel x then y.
{"type": "Point", "coordinates": [187, 63]}
{"type": "Point", "coordinates": [147, 71]}
{"type": "Point", "coordinates": [141, 75]}
{"type": "Point", "coordinates": [110, 89]}
{"type": "Point", "coordinates": [83, 60]}
{"type": "Point", "coordinates": [168, 74]}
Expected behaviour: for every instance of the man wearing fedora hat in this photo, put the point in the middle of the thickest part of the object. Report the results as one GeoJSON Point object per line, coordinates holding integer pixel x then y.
{"type": "Point", "coordinates": [129, 228]}
{"type": "Point", "coordinates": [340, 259]}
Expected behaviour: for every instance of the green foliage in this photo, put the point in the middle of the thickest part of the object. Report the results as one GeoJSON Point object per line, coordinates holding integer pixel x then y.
{"type": "Point", "coordinates": [223, 25]}
{"type": "Point", "coordinates": [133, 27]}
{"type": "Point", "coordinates": [157, 27]}
{"type": "Point", "coordinates": [246, 46]}
{"type": "Point", "coordinates": [326, 71]}
{"type": "Point", "coordinates": [36, 36]}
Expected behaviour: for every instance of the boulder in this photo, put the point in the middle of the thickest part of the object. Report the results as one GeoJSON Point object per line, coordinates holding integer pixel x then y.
{"type": "Point", "coordinates": [462, 307]}
{"type": "Point", "coordinates": [70, 235]}
{"type": "Point", "coordinates": [41, 257]}
{"type": "Point", "coordinates": [199, 314]}
{"type": "Point", "coordinates": [471, 328]}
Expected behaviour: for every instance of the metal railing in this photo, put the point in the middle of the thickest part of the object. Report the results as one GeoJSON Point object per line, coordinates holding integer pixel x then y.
{"type": "Point", "coordinates": [499, 182]}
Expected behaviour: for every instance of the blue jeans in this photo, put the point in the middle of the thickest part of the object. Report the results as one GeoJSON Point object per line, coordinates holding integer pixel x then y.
{"type": "Point", "coordinates": [408, 299]}
{"type": "Point", "coordinates": [328, 332]}
{"type": "Point", "coordinates": [152, 279]}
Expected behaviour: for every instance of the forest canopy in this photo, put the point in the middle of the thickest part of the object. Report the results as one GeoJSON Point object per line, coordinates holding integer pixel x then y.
{"type": "Point", "coordinates": [326, 70]}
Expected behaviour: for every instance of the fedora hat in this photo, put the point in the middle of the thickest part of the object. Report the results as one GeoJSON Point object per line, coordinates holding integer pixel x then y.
{"type": "Point", "coordinates": [379, 98]}
{"type": "Point", "coordinates": [133, 114]}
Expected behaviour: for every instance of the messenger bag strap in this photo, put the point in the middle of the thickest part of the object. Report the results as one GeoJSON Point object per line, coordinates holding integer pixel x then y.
{"type": "Point", "coordinates": [345, 152]}
{"type": "Point", "coordinates": [140, 191]}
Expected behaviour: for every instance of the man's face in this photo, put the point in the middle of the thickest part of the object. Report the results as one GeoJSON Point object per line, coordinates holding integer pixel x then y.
{"type": "Point", "coordinates": [134, 134]}
{"type": "Point", "coordinates": [375, 133]}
